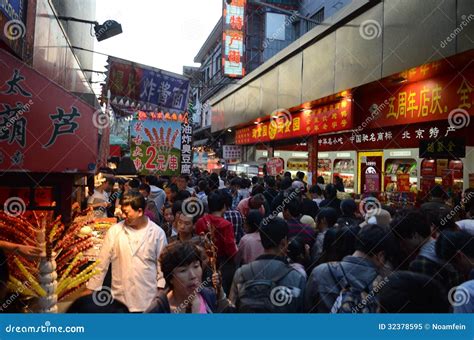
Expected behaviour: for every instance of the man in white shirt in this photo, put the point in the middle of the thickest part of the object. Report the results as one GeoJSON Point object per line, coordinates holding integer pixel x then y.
{"type": "Point", "coordinates": [99, 200]}
{"type": "Point", "coordinates": [133, 247]}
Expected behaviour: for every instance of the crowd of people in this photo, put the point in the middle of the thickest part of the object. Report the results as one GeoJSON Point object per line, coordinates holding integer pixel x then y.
{"type": "Point", "coordinates": [210, 243]}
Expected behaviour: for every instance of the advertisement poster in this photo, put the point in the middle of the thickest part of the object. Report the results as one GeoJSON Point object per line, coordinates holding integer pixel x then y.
{"type": "Point", "coordinates": [156, 147]}
{"type": "Point", "coordinates": [275, 166]}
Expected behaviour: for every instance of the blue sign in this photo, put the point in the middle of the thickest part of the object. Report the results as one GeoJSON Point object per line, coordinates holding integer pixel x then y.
{"type": "Point", "coordinates": [12, 9]}
{"type": "Point", "coordinates": [163, 90]}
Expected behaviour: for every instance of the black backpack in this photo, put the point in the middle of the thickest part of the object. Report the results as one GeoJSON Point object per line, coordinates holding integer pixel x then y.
{"type": "Point", "coordinates": [263, 295]}
{"type": "Point", "coordinates": [352, 299]}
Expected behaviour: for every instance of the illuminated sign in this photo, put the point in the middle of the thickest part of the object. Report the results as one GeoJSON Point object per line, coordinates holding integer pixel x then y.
{"type": "Point", "coordinates": [233, 38]}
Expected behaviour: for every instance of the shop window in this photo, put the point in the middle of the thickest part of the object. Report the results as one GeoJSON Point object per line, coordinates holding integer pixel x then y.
{"type": "Point", "coordinates": [325, 170]}
{"type": "Point", "coordinates": [275, 26]}
{"type": "Point", "coordinates": [345, 169]}
{"type": "Point", "coordinates": [401, 175]}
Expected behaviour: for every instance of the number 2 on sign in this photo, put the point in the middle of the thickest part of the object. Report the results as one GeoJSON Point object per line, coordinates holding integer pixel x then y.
{"type": "Point", "coordinates": [158, 161]}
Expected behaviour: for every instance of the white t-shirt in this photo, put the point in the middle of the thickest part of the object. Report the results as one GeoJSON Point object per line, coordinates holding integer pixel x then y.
{"type": "Point", "coordinates": [467, 226]}
{"type": "Point", "coordinates": [136, 272]}
{"type": "Point", "coordinates": [99, 197]}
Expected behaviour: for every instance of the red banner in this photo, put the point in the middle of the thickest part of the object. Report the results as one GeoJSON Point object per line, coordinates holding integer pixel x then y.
{"type": "Point", "coordinates": [284, 125]}
{"type": "Point", "coordinates": [422, 101]}
{"type": "Point", "coordinates": [43, 128]}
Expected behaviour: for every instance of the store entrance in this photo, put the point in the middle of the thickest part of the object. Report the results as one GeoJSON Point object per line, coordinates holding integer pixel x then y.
{"type": "Point", "coordinates": [370, 171]}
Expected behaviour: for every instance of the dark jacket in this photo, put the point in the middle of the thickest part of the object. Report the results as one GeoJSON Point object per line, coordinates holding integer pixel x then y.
{"type": "Point", "coordinates": [434, 207]}
{"type": "Point", "coordinates": [428, 263]}
{"type": "Point", "coordinates": [322, 289]}
{"type": "Point", "coordinates": [265, 267]}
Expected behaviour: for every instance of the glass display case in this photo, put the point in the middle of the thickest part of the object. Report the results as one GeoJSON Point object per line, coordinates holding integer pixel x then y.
{"type": "Point", "coordinates": [394, 171]}
{"type": "Point", "coordinates": [345, 169]}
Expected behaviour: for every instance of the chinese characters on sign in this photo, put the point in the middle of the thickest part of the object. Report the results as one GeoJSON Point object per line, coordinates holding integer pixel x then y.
{"type": "Point", "coordinates": [57, 127]}
{"type": "Point", "coordinates": [233, 38]}
{"type": "Point", "coordinates": [325, 119]}
{"type": "Point", "coordinates": [146, 87]}
{"type": "Point", "coordinates": [397, 137]}
{"type": "Point", "coordinates": [186, 147]}
{"type": "Point", "coordinates": [424, 101]}
{"type": "Point", "coordinates": [156, 147]}
{"type": "Point", "coordinates": [232, 152]}
{"type": "Point", "coordinates": [443, 148]}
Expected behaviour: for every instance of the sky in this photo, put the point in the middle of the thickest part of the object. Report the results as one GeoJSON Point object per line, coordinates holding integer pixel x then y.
{"type": "Point", "coordinates": [166, 34]}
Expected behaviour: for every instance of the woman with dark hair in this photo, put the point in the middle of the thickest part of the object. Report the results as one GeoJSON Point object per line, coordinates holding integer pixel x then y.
{"type": "Point", "coordinates": [181, 264]}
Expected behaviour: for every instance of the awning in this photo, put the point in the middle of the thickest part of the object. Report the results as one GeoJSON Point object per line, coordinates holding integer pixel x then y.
{"type": "Point", "coordinates": [201, 142]}
{"type": "Point", "coordinates": [43, 128]}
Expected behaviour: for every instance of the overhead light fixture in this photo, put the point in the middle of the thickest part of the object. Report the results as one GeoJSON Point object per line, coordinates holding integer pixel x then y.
{"type": "Point", "coordinates": [108, 29]}
{"type": "Point", "coordinates": [229, 130]}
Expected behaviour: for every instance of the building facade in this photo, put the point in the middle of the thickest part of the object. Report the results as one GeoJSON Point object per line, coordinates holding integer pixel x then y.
{"type": "Point", "coordinates": [270, 27]}
{"type": "Point", "coordinates": [365, 64]}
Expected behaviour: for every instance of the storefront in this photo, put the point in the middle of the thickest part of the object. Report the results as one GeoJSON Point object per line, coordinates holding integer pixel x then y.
{"type": "Point", "coordinates": [411, 131]}
{"type": "Point", "coordinates": [48, 142]}
{"type": "Point", "coordinates": [287, 135]}
{"type": "Point", "coordinates": [402, 134]}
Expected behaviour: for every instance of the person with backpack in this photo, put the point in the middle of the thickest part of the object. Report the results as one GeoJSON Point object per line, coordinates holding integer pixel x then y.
{"type": "Point", "coordinates": [269, 284]}
{"type": "Point", "coordinates": [346, 286]}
